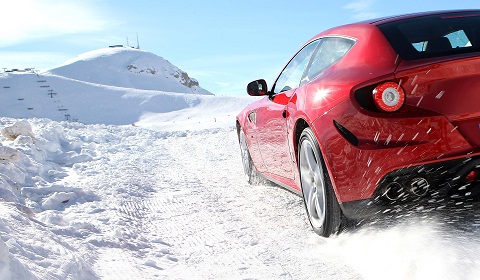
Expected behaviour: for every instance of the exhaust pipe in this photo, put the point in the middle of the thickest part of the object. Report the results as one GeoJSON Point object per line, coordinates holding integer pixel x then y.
{"type": "Point", "coordinates": [393, 191]}
{"type": "Point", "coordinates": [418, 186]}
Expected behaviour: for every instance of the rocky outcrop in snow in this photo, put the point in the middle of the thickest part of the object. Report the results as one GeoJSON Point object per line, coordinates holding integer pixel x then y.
{"type": "Point", "coordinates": [182, 76]}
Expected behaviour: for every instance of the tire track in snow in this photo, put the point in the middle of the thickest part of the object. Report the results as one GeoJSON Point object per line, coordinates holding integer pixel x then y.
{"type": "Point", "coordinates": [127, 251]}
{"type": "Point", "coordinates": [181, 215]}
{"type": "Point", "coordinates": [177, 206]}
{"type": "Point", "coordinates": [222, 225]}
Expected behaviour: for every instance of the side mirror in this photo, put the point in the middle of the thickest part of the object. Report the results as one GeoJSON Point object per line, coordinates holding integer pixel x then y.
{"type": "Point", "coordinates": [257, 88]}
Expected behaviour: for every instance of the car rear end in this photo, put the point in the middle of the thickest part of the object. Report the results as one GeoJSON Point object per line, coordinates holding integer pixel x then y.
{"type": "Point", "coordinates": [440, 73]}
{"type": "Point", "coordinates": [429, 146]}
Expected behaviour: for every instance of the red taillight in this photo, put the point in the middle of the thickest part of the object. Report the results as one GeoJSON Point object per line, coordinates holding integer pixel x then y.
{"type": "Point", "coordinates": [472, 176]}
{"type": "Point", "coordinates": [389, 96]}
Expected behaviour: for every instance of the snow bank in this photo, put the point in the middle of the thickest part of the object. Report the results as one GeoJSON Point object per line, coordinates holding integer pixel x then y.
{"type": "Point", "coordinates": [8, 154]}
{"type": "Point", "coordinates": [58, 197]}
{"type": "Point", "coordinates": [30, 172]}
{"type": "Point", "coordinates": [20, 128]}
{"type": "Point", "coordinates": [4, 261]}
{"type": "Point", "coordinates": [30, 160]}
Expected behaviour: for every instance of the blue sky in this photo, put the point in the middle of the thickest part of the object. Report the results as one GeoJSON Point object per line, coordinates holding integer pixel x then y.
{"type": "Point", "coordinates": [224, 44]}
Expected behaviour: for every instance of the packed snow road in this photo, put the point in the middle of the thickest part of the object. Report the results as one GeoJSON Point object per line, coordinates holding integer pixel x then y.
{"type": "Point", "coordinates": [116, 202]}
{"type": "Point", "coordinates": [191, 215]}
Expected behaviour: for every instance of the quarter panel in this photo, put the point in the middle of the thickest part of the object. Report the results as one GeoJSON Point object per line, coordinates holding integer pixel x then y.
{"type": "Point", "coordinates": [449, 86]}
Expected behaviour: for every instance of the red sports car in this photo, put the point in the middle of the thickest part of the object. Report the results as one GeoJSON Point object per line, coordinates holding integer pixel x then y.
{"type": "Point", "coordinates": [371, 114]}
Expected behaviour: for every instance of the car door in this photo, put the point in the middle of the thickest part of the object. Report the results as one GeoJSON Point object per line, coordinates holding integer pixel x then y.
{"type": "Point", "coordinates": [271, 118]}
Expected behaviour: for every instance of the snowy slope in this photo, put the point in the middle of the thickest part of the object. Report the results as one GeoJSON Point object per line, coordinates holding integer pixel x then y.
{"type": "Point", "coordinates": [130, 68]}
{"type": "Point", "coordinates": [58, 98]}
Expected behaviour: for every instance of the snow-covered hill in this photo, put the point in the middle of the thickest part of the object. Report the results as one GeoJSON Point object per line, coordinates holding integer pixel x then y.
{"type": "Point", "coordinates": [109, 86]}
{"type": "Point", "coordinates": [113, 86]}
{"type": "Point", "coordinates": [129, 68]}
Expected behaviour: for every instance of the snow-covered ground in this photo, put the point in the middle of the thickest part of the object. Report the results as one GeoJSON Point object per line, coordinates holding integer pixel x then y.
{"type": "Point", "coordinates": [161, 194]}
{"type": "Point", "coordinates": [123, 202]}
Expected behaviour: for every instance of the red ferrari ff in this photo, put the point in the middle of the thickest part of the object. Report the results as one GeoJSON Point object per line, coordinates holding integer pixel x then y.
{"type": "Point", "coordinates": [371, 114]}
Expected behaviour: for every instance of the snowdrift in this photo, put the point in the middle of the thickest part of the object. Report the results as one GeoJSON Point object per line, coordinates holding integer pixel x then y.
{"type": "Point", "coordinates": [30, 162]}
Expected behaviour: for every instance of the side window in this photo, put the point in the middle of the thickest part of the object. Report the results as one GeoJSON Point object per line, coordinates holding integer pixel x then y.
{"type": "Point", "coordinates": [454, 40]}
{"type": "Point", "coordinates": [330, 51]}
{"type": "Point", "coordinates": [293, 72]}
{"type": "Point", "coordinates": [459, 39]}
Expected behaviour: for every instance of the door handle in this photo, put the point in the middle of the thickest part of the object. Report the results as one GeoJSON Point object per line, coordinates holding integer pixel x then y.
{"type": "Point", "coordinates": [252, 117]}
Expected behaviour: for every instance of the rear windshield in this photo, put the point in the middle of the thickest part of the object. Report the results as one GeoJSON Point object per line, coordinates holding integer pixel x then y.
{"type": "Point", "coordinates": [433, 36]}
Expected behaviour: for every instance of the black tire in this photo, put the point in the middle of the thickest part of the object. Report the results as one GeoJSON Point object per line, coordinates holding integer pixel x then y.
{"type": "Point", "coordinates": [248, 166]}
{"type": "Point", "coordinates": [320, 202]}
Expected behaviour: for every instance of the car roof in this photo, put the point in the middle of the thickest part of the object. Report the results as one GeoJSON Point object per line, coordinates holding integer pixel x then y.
{"type": "Point", "coordinates": [352, 29]}
{"type": "Point", "coordinates": [365, 29]}
{"type": "Point", "coordinates": [389, 19]}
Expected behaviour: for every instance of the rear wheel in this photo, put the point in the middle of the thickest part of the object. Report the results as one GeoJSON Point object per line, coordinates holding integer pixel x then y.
{"type": "Point", "coordinates": [248, 167]}
{"type": "Point", "coordinates": [321, 203]}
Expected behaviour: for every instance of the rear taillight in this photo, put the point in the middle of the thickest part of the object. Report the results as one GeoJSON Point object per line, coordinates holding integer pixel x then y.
{"type": "Point", "coordinates": [388, 97]}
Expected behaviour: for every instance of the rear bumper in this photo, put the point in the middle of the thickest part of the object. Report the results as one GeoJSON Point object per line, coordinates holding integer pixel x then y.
{"type": "Point", "coordinates": [426, 183]}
